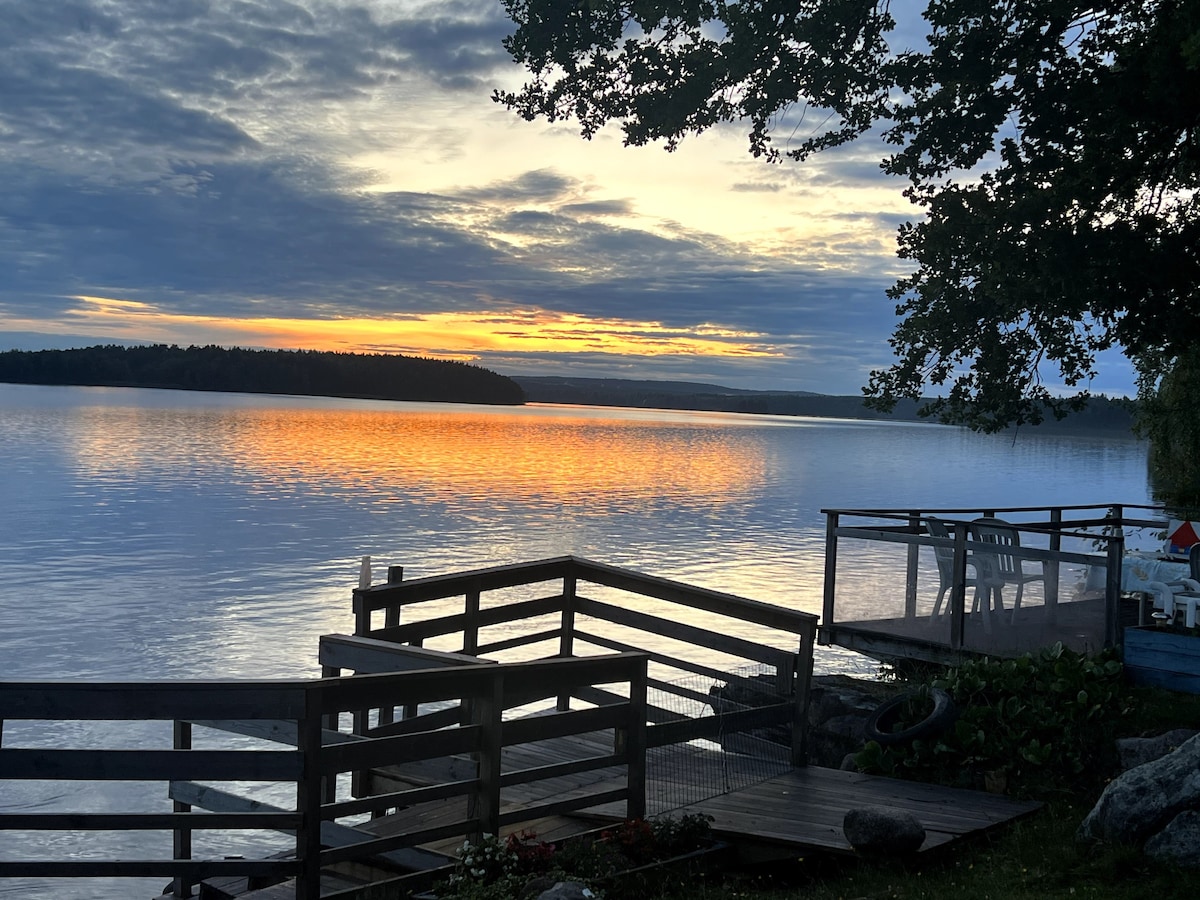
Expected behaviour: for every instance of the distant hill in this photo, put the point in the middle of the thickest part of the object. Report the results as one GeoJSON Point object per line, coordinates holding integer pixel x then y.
{"type": "Point", "coordinates": [310, 372]}
{"type": "Point", "coordinates": [1101, 415]}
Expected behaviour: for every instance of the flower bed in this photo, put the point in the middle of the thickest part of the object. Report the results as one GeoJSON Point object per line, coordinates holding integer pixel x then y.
{"type": "Point", "coordinates": [626, 860]}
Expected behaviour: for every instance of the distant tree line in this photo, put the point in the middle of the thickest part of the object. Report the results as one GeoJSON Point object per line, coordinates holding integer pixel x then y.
{"type": "Point", "coordinates": [1099, 414]}
{"type": "Point", "coordinates": [311, 372]}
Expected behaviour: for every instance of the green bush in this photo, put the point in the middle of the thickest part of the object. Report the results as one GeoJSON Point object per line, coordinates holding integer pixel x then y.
{"type": "Point", "coordinates": [1038, 725]}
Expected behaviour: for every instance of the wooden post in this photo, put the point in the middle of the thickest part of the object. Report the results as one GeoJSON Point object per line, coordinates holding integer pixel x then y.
{"type": "Point", "coordinates": [566, 641]}
{"type": "Point", "coordinates": [635, 745]}
{"type": "Point", "coordinates": [958, 587]}
{"type": "Point", "coordinates": [181, 837]}
{"type": "Point", "coordinates": [308, 798]}
{"type": "Point", "coordinates": [831, 525]}
{"type": "Point", "coordinates": [471, 627]}
{"type": "Point", "coordinates": [487, 709]}
{"type": "Point", "coordinates": [802, 687]}
{"type": "Point", "coordinates": [1051, 566]}
{"type": "Point", "coordinates": [391, 618]}
{"type": "Point", "coordinates": [329, 785]}
{"type": "Point", "coordinates": [391, 614]}
{"type": "Point", "coordinates": [1112, 589]}
{"type": "Point", "coordinates": [914, 556]}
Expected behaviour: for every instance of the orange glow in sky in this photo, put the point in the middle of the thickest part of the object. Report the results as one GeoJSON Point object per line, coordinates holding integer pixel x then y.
{"type": "Point", "coordinates": [447, 335]}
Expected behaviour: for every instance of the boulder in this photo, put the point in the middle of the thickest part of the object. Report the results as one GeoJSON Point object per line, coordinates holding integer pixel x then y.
{"type": "Point", "coordinates": [1179, 842]}
{"type": "Point", "coordinates": [1134, 752]}
{"type": "Point", "coordinates": [1140, 802]}
{"type": "Point", "coordinates": [882, 830]}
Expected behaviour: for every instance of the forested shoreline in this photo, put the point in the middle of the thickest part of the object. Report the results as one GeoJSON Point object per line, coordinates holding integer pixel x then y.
{"type": "Point", "coordinates": [307, 372]}
{"type": "Point", "coordinates": [1101, 414]}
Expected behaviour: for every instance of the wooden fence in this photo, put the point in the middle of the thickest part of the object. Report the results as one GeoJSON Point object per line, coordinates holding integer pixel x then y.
{"type": "Point", "coordinates": [450, 711]}
{"type": "Point", "coordinates": [700, 626]}
{"type": "Point", "coordinates": [293, 714]}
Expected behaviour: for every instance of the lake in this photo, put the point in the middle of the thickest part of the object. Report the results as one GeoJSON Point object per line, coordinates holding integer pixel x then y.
{"type": "Point", "coordinates": [162, 534]}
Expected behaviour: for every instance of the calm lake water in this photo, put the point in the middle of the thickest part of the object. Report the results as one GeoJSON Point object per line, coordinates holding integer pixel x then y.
{"type": "Point", "coordinates": [160, 534]}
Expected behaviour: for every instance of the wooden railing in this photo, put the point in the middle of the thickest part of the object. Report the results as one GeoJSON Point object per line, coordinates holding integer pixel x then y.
{"type": "Point", "coordinates": [74, 702]}
{"type": "Point", "coordinates": [739, 632]}
{"type": "Point", "coordinates": [1102, 526]}
{"type": "Point", "coordinates": [293, 714]}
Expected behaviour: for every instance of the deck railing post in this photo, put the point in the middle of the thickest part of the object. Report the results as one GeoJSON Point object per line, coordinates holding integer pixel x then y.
{"type": "Point", "coordinates": [1112, 588]}
{"type": "Point", "coordinates": [910, 580]}
{"type": "Point", "coordinates": [330, 722]}
{"type": "Point", "coordinates": [802, 687]}
{"type": "Point", "coordinates": [308, 797]}
{"type": "Point", "coordinates": [1052, 565]}
{"type": "Point", "coordinates": [635, 744]}
{"type": "Point", "coordinates": [566, 640]}
{"type": "Point", "coordinates": [181, 837]}
{"type": "Point", "coordinates": [487, 711]}
{"type": "Point", "coordinates": [471, 626]}
{"type": "Point", "coordinates": [831, 527]}
{"type": "Point", "coordinates": [958, 587]}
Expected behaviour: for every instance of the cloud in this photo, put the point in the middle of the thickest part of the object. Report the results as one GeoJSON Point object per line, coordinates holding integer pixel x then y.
{"type": "Point", "coordinates": [226, 163]}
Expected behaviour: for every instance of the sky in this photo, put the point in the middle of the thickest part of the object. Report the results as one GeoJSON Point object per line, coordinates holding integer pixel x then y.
{"type": "Point", "coordinates": [336, 176]}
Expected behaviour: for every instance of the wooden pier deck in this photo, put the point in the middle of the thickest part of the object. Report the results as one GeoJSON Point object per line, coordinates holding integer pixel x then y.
{"type": "Point", "coordinates": [400, 750]}
{"type": "Point", "coordinates": [794, 814]}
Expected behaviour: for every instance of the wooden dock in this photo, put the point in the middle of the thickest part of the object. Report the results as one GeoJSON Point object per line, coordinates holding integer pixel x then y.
{"type": "Point", "coordinates": [400, 751]}
{"type": "Point", "coordinates": [797, 813]}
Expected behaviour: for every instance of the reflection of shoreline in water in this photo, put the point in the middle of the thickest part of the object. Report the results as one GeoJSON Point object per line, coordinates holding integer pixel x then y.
{"type": "Point", "coordinates": [490, 454]}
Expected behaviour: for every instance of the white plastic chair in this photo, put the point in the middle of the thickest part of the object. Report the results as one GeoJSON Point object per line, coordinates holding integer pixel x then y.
{"type": "Point", "coordinates": [945, 563]}
{"type": "Point", "coordinates": [1184, 594]}
{"type": "Point", "coordinates": [1003, 565]}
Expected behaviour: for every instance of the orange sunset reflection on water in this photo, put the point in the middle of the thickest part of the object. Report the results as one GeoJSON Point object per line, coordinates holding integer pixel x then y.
{"type": "Point", "coordinates": [415, 451]}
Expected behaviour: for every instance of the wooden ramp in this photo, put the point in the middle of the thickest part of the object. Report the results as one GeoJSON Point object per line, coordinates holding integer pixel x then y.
{"type": "Point", "coordinates": [790, 815]}
{"type": "Point", "coordinates": [800, 811]}
{"type": "Point", "coordinates": [803, 810]}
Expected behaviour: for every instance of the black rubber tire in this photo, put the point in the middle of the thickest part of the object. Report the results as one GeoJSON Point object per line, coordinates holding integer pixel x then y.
{"type": "Point", "coordinates": [878, 727]}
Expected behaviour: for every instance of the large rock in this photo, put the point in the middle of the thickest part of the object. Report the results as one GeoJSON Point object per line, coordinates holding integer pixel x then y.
{"type": "Point", "coordinates": [1134, 752]}
{"type": "Point", "coordinates": [880, 829]}
{"type": "Point", "coordinates": [1140, 802]}
{"type": "Point", "coordinates": [1179, 842]}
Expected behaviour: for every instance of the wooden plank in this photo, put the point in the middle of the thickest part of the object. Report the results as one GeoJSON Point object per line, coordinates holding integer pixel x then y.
{"type": "Point", "coordinates": [143, 700]}
{"type": "Point", "coordinates": [711, 727]}
{"type": "Point", "coordinates": [384, 846]}
{"type": "Point", "coordinates": [277, 730]}
{"type": "Point", "coordinates": [263, 821]}
{"type": "Point", "coordinates": [561, 724]}
{"type": "Point", "coordinates": [674, 662]}
{"type": "Point", "coordinates": [559, 770]}
{"type": "Point", "coordinates": [524, 640]}
{"type": "Point", "coordinates": [754, 611]}
{"type": "Point", "coordinates": [151, 765]}
{"type": "Point", "coordinates": [431, 721]}
{"type": "Point", "coordinates": [439, 587]}
{"type": "Point", "coordinates": [368, 656]}
{"type": "Point", "coordinates": [461, 622]}
{"type": "Point", "coordinates": [680, 631]}
{"type": "Point", "coordinates": [399, 750]}
{"type": "Point", "coordinates": [398, 799]}
{"type": "Point", "coordinates": [332, 833]}
{"type": "Point", "coordinates": [563, 805]}
{"type": "Point", "coordinates": [193, 870]}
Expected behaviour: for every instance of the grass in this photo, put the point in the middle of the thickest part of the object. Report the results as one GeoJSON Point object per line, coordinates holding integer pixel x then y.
{"type": "Point", "coordinates": [1035, 858]}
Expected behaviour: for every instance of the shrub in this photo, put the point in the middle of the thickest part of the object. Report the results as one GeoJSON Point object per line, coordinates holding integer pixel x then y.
{"type": "Point", "coordinates": [1040, 724]}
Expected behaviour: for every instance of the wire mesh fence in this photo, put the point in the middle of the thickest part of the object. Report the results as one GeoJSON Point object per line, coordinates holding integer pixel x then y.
{"type": "Point", "coordinates": [735, 758]}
